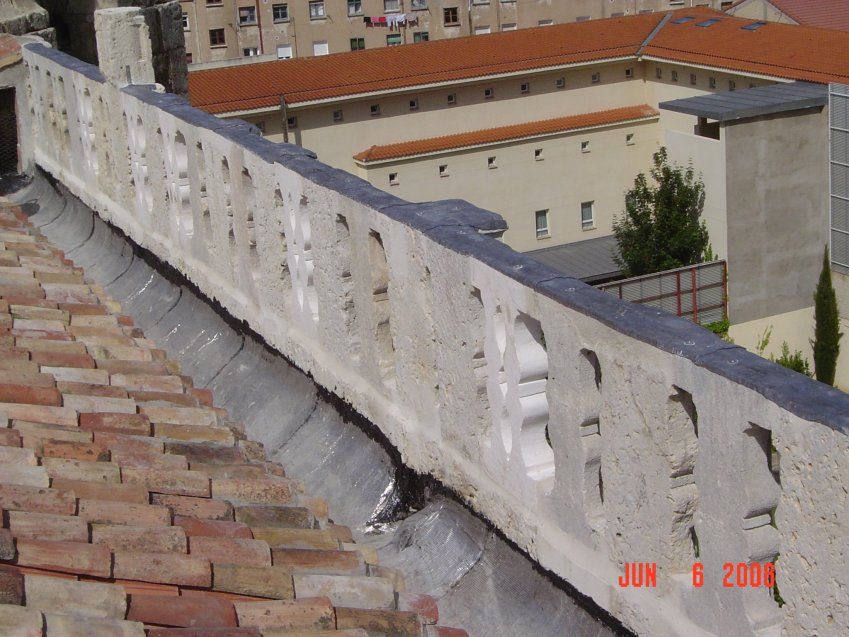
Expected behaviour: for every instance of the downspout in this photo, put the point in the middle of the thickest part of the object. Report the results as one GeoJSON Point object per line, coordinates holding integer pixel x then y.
{"type": "Point", "coordinates": [285, 119]}
{"type": "Point", "coordinates": [259, 26]}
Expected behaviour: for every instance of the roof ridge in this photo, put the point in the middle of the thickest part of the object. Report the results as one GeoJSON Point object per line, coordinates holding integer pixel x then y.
{"type": "Point", "coordinates": [654, 32]}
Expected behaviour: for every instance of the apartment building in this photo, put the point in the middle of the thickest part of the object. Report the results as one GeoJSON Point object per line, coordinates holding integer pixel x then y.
{"type": "Point", "coordinates": [218, 30]}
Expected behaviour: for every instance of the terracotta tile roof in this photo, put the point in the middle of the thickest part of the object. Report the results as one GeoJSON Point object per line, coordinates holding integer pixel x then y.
{"type": "Point", "coordinates": [785, 51]}
{"type": "Point", "coordinates": [303, 79]}
{"type": "Point", "coordinates": [778, 50]}
{"type": "Point", "coordinates": [506, 133]}
{"type": "Point", "coordinates": [132, 503]}
{"type": "Point", "coordinates": [826, 14]}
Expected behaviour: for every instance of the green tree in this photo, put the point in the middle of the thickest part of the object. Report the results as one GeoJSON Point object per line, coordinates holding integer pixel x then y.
{"type": "Point", "coordinates": [826, 342]}
{"type": "Point", "coordinates": [662, 226]}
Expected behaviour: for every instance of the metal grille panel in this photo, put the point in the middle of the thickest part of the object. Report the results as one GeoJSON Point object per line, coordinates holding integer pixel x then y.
{"type": "Point", "coordinates": [8, 133]}
{"type": "Point", "coordinates": [838, 108]}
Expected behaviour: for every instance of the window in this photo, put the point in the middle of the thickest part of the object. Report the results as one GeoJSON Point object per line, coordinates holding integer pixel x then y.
{"type": "Point", "coordinates": [541, 222]}
{"type": "Point", "coordinates": [712, 82]}
{"type": "Point", "coordinates": [451, 16]}
{"type": "Point", "coordinates": [337, 115]}
{"type": "Point", "coordinates": [355, 7]}
{"type": "Point", "coordinates": [480, 1]}
{"type": "Point", "coordinates": [374, 109]}
{"type": "Point", "coordinates": [525, 88]}
{"type": "Point", "coordinates": [488, 93]}
{"type": "Point", "coordinates": [280, 12]}
{"type": "Point", "coordinates": [751, 85]}
{"type": "Point", "coordinates": [247, 15]}
{"type": "Point", "coordinates": [414, 104]}
{"type": "Point", "coordinates": [587, 221]}
{"type": "Point", "coordinates": [596, 78]}
{"type": "Point", "coordinates": [490, 163]}
{"type": "Point", "coordinates": [188, 58]}
{"type": "Point", "coordinates": [754, 26]}
{"type": "Point", "coordinates": [582, 18]}
{"type": "Point", "coordinates": [292, 122]}
{"type": "Point", "coordinates": [284, 51]}
{"type": "Point", "coordinates": [561, 82]}
{"type": "Point", "coordinates": [482, 30]}
{"type": "Point", "coordinates": [186, 26]}
{"type": "Point", "coordinates": [393, 179]}
{"type": "Point", "coordinates": [250, 51]}
{"type": "Point", "coordinates": [538, 154]}
{"type": "Point", "coordinates": [674, 76]}
{"type": "Point", "coordinates": [452, 99]}
{"type": "Point", "coordinates": [629, 139]}
{"type": "Point", "coordinates": [419, 4]}
{"type": "Point", "coordinates": [393, 39]}
{"type": "Point", "coordinates": [585, 146]}
{"type": "Point", "coordinates": [261, 126]}
{"type": "Point", "coordinates": [216, 37]}
{"type": "Point", "coordinates": [320, 48]}
{"type": "Point", "coordinates": [732, 85]}
{"type": "Point", "coordinates": [545, 23]}
{"type": "Point", "coordinates": [420, 36]}
{"type": "Point", "coordinates": [443, 170]}
{"type": "Point", "coordinates": [629, 73]}
{"type": "Point", "coordinates": [316, 9]}
{"type": "Point", "coordinates": [693, 79]}
{"type": "Point", "coordinates": [390, 6]}
{"type": "Point", "coordinates": [358, 44]}
{"type": "Point", "coordinates": [508, 26]}
{"type": "Point", "coordinates": [214, 3]}
{"type": "Point", "coordinates": [658, 72]}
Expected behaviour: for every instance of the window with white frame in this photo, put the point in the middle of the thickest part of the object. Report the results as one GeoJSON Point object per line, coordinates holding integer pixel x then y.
{"type": "Point", "coordinates": [587, 218]}
{"type": "Point", "coordinates": [482, 30]}
{"type": "Point", "coordinates": [284, 51]}
{"type": "Point", "coordinates": [280, 12]}
{"type": "Point", "coordinates": [629, 139]}
{"type": "Point", "coordinates": [545, 23]}
{"type": "Point", "coordinates": [316, 9]}
{"type": "Point", "coordinates": [541, 224]}
{"type": "Point", "coordinates": [355, 7]}
{"type": "Point", "coordinates": [443, 170]}
{"type": "Point", "coordinates": [585, 146]}
{"type": "Point", "coordinates": [391, 6]}
{"type": "Point", "coordinates": [186, 26]}
{"type": "Point", "coordinates": [417, 5]}
{"type": "Point", "coordinates": [247, 15]}
{"type": "Point", "coordinates": [250, 51]}
{"type": "Point", "coordinates": [320, 48]}
{"type": "Point", "coordinates": [508, 26]}
{"type": "Point", "coordinates": [393, 39]}
{"type": "Point", "coordinates": [491, 163]}
{"type": "Point", "coordinates": [538, 154]}
{"type": "Point", "coordinates": [393, 179]}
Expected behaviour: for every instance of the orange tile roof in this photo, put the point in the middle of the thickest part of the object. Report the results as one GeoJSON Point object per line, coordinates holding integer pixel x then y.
{"type": "Point", "coordinates": [826, 14]}
{"type": "Point", "coordinates": [506, 133]}
{"type": "Point", "coordinates": [786, 51]}
{"type": "Point", "coordinates": [303, 79]}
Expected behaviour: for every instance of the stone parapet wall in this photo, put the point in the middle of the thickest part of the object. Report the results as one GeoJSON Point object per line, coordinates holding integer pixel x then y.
{"type": "Point", "coordinates": [590, 431]}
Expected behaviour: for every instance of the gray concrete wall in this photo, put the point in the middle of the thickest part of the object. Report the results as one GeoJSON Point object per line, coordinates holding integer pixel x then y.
{"type": "Point", "coordinates": [777, 203]}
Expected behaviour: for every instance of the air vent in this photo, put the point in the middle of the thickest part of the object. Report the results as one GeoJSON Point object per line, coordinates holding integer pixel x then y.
{"type": "Point", "coordinates": [754, 26]}
{"type": "Point", "coordinates": [708, 23]}
{"type": "Point", "coordinates": [684, 20]}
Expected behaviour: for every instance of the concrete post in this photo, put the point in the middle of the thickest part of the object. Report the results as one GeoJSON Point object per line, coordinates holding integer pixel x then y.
{"type": "Point", "coordinates": [123, 46]}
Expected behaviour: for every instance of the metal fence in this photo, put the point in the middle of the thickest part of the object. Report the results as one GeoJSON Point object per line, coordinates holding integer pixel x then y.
{"type": "Point", "coordinates": [697, 292]}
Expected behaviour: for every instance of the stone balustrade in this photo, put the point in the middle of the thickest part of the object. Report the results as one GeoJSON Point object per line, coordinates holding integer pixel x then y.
{"type": "Point", "coordinates": [591, 432]}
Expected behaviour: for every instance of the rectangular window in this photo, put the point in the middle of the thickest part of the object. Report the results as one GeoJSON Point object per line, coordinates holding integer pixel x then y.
{"type": "Point", "coordinates": [374, 109]}
{"type": "Point", "coordinates": [561, 82]}
{"type": "Point", "coordinates": [337, 115]}
{"type": "Point", "coordinates": [732, 85]}
{"type": "Point", "coordinates": [320, 48]}
{"type": "Point", "coordinates": [358, 44]}
{"type": "Point", "coordinates": [596, 78]}
{"type": "Point", "coordinates": [421, 36]}
{"type": "Point", "coordinates": [452, 99]}
{"type": "Point", "coordinates": [541, 222]}
{"type": "Point", "coordinates": [508, 26]}
{"type": "Point", "coordinates": [674, 76]}
{"type": "Point", "coordinates": [393, 39]}
{"type": "Point", "coordinates": [585, 146]}
{"type": "Point", "coordinates": [188, 58]}
{"type": "Point", "coordinates": [284, 51]}
{"type": "Point", "coordinates": [393, 179]}
{"type": "Point", "coordinates": [629, 139]}
{"type": "Point", "coordinates": [490, 163]}
{"type": "Point", "coordinates": [658, 72]}
{"type": "Point", "coordinates": [216, 37]}
{"type": "Point", "coordinates": [414, 104]}
{"type": "Point", "coordinates": [488, 93]}
{"type": "Point", "coordinates": [582, 18]}
{"type": "Point", "coordinates": [250, 51]}
{"type": "Point", "coordinates": [419, 4]}
{"type": "Point", "coordinates": [355, 7]}
{"type": "Point", "coordinates": [391, 6]}
{"type": "Point", "coordinates": [538, 154]}
{"type": "Point", "coordinates": [185, 22]}
{"type": "Point", "coordinates": [280, 12]}
{"type": "Point", "coordinates": [214, 3]}
{"type": "Point", "coordinates": [629, 73]}
{"type": "Point", "coordinates": [451, 16]}
{"type": "Point", "coordinates": [443, 170]}
{"type": "Point", "coordinates": [712, 82]}
{"type": "Point", "coordinates": [482, 30]}
{"type": "Point", "coordinates": [545, 23]}
{"type": "Point", "coordinates": [292, 122]}
{"type": "Point", "coordinates": [693, 79]}
{"type": "Point", "coordinates": [480, 1]}
{"type": "Point", "coordinates": [587, 220]}
{"type": "Point", "coordinates": [525, 88]}
{"type": "Point", "coordinates": [247, 15]}
{"type": "Point", "coordinates": [316, 9]}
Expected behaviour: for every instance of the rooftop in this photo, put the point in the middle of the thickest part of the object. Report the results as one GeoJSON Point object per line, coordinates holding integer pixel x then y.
{"type": "Point", "coordinates": [590, 261]}
{"type": "Point", "coordinates": [776, 50]}
{"type": "Point", "coordinates": [507, 133]}
{"type": "Point", "coordinates": [132, 502]}
{"type": "Point", "coordinates": [752, 102]}
{"type": "Point", "coordinates": [826, 14]}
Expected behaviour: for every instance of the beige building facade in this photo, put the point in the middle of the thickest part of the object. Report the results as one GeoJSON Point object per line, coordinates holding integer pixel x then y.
{"type": "Point", "coordinates": [217, 30]}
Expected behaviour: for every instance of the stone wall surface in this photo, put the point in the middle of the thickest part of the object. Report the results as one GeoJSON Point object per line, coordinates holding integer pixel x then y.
{"type": "Point", "coordinates": [591, 432]}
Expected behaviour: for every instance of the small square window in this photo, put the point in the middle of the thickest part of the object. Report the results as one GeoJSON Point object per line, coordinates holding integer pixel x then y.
{"type": "Point", "coordinates": [414, 104]}
{"type": "Point", "coordinates": [629, 139]}
{"type": "Point", "coordinates": [443, 170]}
{"type": "Point", "coordinates": [712, 82]}
{"type": "Point", "coordinates": [732, 85]}
{"type": "Point", "coordinates": [490, 163]}
{"type": "Point", "coordinates": [538, 154]}
{"type": "Point", "coordinates": [374, 109]}
{"type": "Point", "coordinates": [452, 98]}
{"type": "Point", "coordinates": [292, 122]}
{"type": "Point", "coordinates": [561, 82]}
{"type": "Point", "coordinates": [420, 36]}
{"type": "Point", "coordinates": [585, 146]}
{"type": "Point", "coordinates": [596, 78]}
{"type": "Point", "coordinates": [541, 223]}
{"type": "Point", "coordinates": [693, 79]}
{"type": "Point", "coordinates": [338, 115]}
{"type": "Point", "coordinates": [629, 73]}
{"type": "Point", "coordinates": [525, 88]}
{"type": "Point", "coordinates": [545, 23]}
{"type": "Point", "coordinates": [674, 76]}
{"type": "Point", "coordinates": [355, 7]}
{"type": "Point", "coordinates": [393, 179]}
{"type": "Point", "coordinates": [488, 93]}
{"type": "Point", "coordinates": [280, 12]}
{"type": "Point", "coordinates": [216, 37]}
{"type": "Point", "coordinates": [658, 72]}
{"type": "Point", "coordinates": [451, 16]}
{"type": "Point", "coordinates": [358, 44]}
{"type": "Point", "coordinates": [393, 39]}
{"type": "Point", "coordinates": [587, 218]}
{"type": "Point", "coordinates": [316, 9]}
